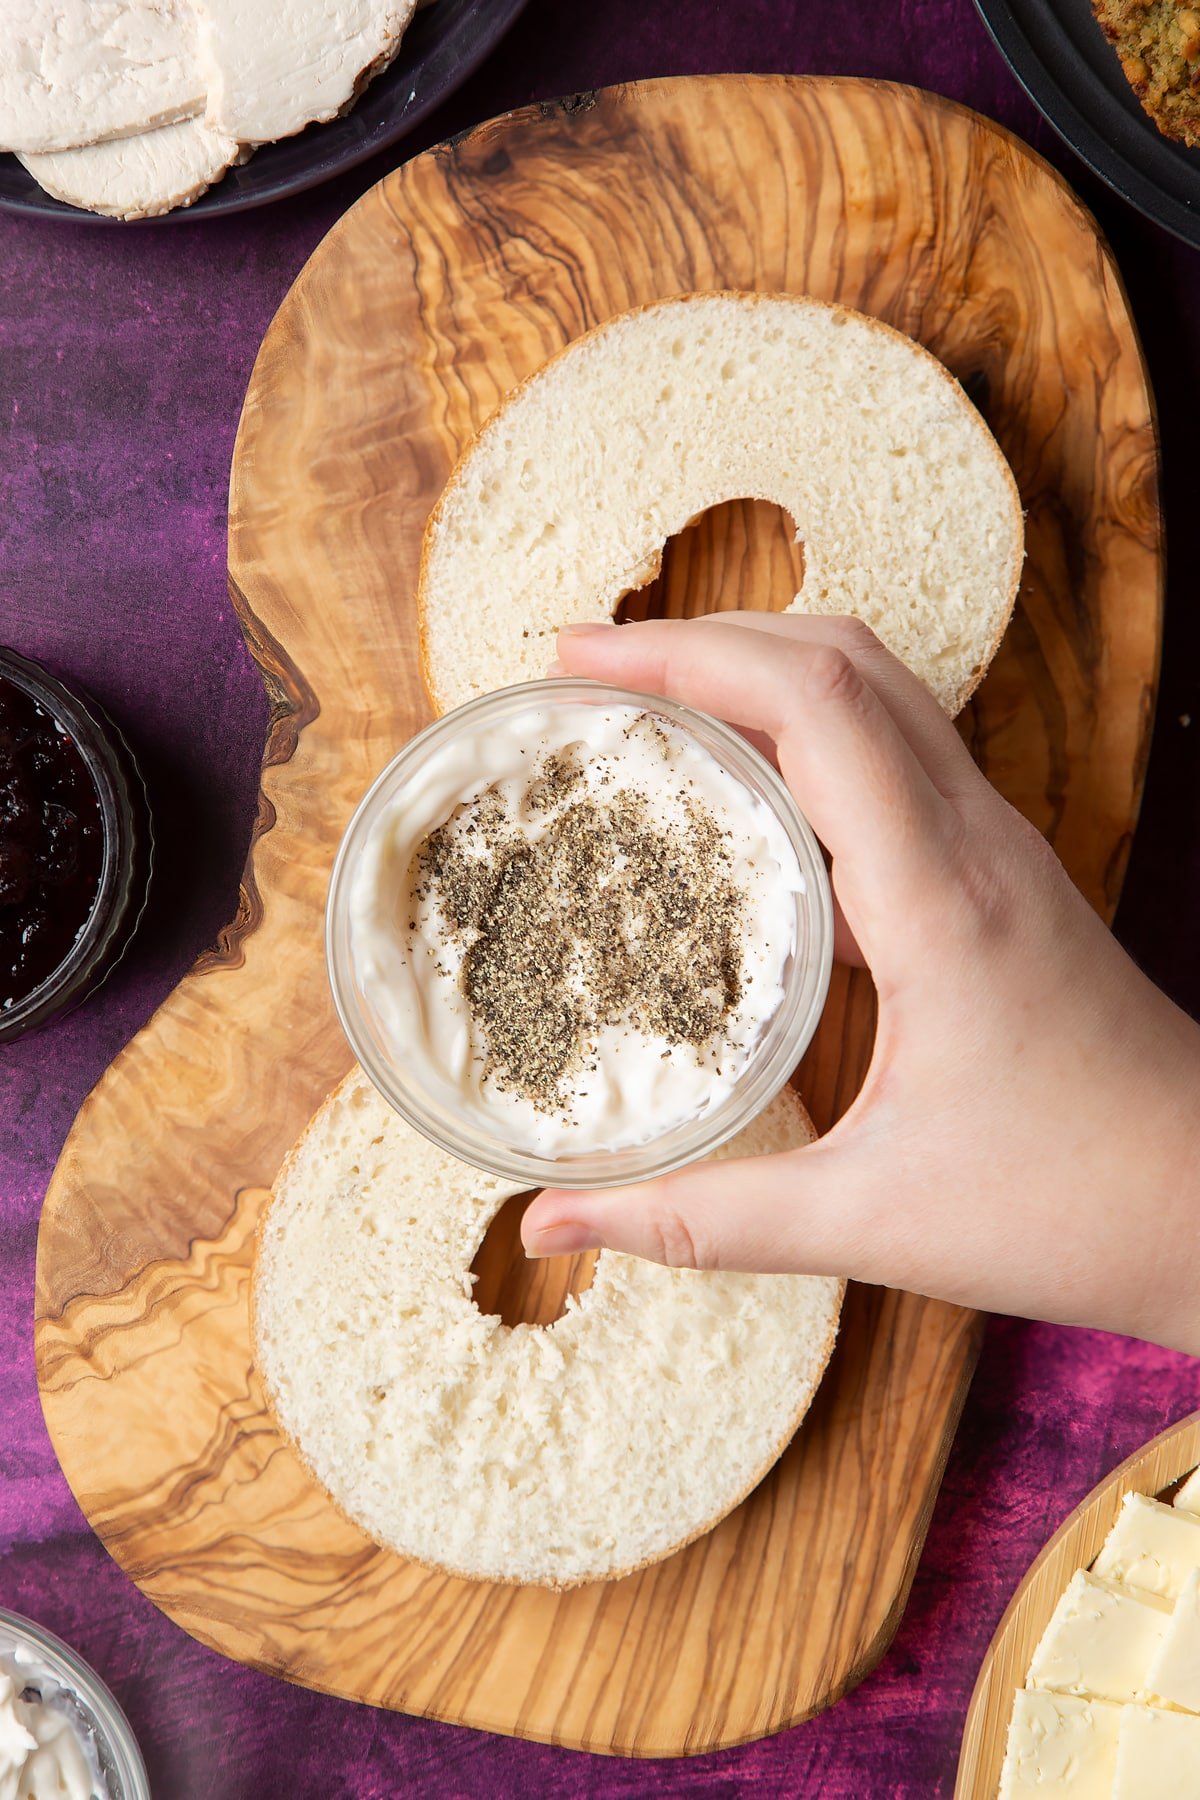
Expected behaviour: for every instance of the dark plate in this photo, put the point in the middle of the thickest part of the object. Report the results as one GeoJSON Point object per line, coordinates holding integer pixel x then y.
{"type": "Point", "coordinates": [442, 46]}
{"type": "Point", "coordinates": [1062, 59]}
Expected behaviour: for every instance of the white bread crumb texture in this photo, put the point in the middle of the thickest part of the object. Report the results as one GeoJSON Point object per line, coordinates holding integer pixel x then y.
{"type": "Point", "coordinates": [906, 508]}
{"type": "Point", "coordinates": [536, 1454]}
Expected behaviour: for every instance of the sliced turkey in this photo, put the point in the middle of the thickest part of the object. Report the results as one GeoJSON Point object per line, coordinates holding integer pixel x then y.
{"type": "Point", "coordinates": [268, 84]}
{"type": "Point", "coordinates": [79, 71]}
{"type": "Point", "coordinates": [138, 177]}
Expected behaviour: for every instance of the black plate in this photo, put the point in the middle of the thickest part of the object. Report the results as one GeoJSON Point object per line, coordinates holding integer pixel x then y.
{"type": "Point", "coordinates": [442, 46]}
{"type": "Point", "coordinates": [1062, 59]}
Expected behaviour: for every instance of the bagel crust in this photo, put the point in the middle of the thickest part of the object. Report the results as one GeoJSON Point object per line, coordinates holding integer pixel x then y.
{"type": "Point", "coordinates": [550, 1455]}
{"type": "Point", "coordinates": [563, 503]}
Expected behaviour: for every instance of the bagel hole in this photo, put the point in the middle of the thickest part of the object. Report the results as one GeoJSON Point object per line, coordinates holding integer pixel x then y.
{"type": "Point", "coordinates": [525, 1291]}
{"type": "Point", "coordinates": [743, 554]}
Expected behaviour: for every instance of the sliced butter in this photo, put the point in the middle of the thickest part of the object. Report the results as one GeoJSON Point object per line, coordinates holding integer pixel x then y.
{"type": "Point", "coordinates": [1151, 1546]}
{"type": "Point", "coordinates": [1060, 1746]}
{"type": "Point", "coordinates": [1174, 1670]}
{"type": "Point", "coordinates": [1158, 1755]}
{"type": "Point", "coordinates": [1100, 1641]}
{"type": "Point", "coordinates": [1188, 1497]}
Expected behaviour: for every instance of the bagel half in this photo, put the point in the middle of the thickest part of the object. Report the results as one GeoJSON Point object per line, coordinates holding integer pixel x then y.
{"type": "Point", "coordinates": [554, 1454]}
{"type": "Point", "coordinates": [907, 510]}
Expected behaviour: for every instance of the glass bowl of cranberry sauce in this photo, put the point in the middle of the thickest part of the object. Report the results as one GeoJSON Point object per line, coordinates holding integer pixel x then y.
{"type": "Point", "coordinates": [75, 845]}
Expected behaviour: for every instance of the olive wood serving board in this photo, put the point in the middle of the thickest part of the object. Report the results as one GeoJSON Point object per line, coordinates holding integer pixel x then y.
{"type": "Point", "coordinates": [450, 281]}
{"type": "Point", "coordinates": [1156, 1469]}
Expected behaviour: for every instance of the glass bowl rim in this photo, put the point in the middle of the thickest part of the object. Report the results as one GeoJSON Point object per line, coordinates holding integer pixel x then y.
{"type": "Point", "coordinates": [91, 731]}
{"type": "Point", "coordinates": [79, 1677]}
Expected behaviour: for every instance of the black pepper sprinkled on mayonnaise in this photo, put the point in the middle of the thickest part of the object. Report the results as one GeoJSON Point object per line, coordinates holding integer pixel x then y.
{"type": "Point", "coordinates": [606, 916]}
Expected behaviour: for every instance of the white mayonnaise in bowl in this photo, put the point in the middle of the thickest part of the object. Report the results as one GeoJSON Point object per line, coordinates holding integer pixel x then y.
{"type": "Point", "coordinates": [579, 936]}
{"type": "Point", "coordinates": [62, 1734]}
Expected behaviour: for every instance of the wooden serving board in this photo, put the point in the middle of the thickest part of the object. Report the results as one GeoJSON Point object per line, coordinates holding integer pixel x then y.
{"type": "Point", "coordinates": [451, 280]}
{"type": "Point", "coordinates": [1157, 1469]}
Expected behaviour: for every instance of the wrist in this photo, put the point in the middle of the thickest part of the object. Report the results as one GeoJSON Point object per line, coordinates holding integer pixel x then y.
{"type": "Point", "coordinates": [1162, 1207]}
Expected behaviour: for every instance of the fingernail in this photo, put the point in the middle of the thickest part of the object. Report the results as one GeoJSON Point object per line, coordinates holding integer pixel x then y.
{"type": "Point", "coordinates": [564, 1240]}
{"type": "Point", "coordinates": [555, 668]}
{"type": "Point", "coordinates": [587, 630]}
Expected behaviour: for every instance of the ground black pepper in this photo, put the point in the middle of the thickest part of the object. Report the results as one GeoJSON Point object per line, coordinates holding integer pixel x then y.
{"type": "Point", "coordinates": [605, 916]}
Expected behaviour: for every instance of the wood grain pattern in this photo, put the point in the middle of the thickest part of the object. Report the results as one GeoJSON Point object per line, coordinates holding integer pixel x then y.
{"type": "Point", "coordinates": [521, 1292]}
{"type": "Point", "coordinates": [1157, 1469]}
{"type": "Point", "coordinates": [450, 281]}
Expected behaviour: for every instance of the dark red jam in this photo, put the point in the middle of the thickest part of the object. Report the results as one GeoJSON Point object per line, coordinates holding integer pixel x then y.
{"type": "Point", "coordinates": [51, 844]}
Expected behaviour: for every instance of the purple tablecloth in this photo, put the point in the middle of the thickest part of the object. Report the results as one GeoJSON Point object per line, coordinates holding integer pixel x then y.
{"type": "Point", "coordinates": [124, 356]}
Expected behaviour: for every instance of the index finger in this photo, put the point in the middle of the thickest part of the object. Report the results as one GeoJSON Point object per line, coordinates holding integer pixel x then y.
{"type": "Point", "coordinates": [840, 751]}
{"type": "Point", "coordinates": [922, 722]}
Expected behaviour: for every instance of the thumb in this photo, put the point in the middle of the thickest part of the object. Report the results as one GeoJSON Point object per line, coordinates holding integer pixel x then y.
{"type": "Point", "coordinates": [797, 1212]}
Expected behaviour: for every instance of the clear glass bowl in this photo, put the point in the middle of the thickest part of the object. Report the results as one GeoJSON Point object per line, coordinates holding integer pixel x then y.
{"type": "Point", "coordinates": [401, 1079]}
{"type": "Point", "coordinates": [99, 1715]}
{"type": "Point", "coordinates": [113, 914]}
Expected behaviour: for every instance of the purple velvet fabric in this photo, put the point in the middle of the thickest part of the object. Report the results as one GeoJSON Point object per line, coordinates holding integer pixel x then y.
{"type": "Point", "coordinates": [124, 355]}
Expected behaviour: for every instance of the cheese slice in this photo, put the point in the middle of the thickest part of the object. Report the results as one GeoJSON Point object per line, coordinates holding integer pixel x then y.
{"type": "Point", "coordinates": [1060, 1747]}
{"type": "Point", "coordinates": [268, 83]}
{"type": "Point", "coordinates": [1151, 1546]}
{"type": "Point", "coordinates": [1158, 1755]}
{"type": "Point", "coordinates": [77, 71]}
{"type": "Point", "coordinates": [1188, 1497]}
{"type": "Point", "coordinates": [1174, 1670]}
{"type": "Point", "coordinates": [1100, 1641]}
{"type": "Point", "coordinates": [138, 177]}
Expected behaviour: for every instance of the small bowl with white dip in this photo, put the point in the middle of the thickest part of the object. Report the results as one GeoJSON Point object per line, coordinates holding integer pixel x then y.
{"type": "Point", "coordinates": [62, 1734]}
{"type": "Point", "coordinates": [578, 935]}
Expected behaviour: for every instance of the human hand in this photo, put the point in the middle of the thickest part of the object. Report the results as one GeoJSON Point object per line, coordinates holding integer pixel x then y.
{"type": "Point", "coordinates": [1028, 1136]}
